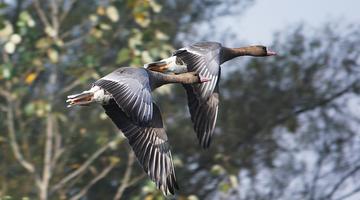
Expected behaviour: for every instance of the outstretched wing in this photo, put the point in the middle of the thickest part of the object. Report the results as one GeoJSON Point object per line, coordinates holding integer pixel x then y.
{"type": "Point", "coordinates": [150, 144]}
{"type": "Point", "coordinates": [203, 114]}
{"type": "Point", "coordinates": [203, 58]}
{"type": "Point", "coordinates": [203, 99]}
{"type": "Point", "coordinates": [131, 93]}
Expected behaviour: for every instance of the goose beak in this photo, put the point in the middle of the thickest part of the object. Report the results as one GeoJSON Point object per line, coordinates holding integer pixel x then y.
{"type": "Point", "coordinates": [271, 53]}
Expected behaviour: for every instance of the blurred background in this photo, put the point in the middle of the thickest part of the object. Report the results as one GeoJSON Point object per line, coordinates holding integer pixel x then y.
{"type": "Point", "coordinates": [288, 126]}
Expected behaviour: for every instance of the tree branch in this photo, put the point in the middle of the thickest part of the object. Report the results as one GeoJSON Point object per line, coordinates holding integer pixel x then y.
{"type": "Point", "coordinates": [125, 181]}
{"type": "Point", "coordinates": [313, 188]}
{"type": "Point", "coordinates": [41, 14]}
{"type": "Point", "coordinates": [103, 173]}
{"type": "Point", "coordinates": [70, 86]}
{"type": "Point", "coordinates": [54, 15]}
{"type": "Point", "coordinates": [12, 138]}
{"type": "Point", "coordinates": [65, 13]}
{"type": "Point", "coordinates": [354, 191]}
{"type": "Point", "coordinates": [320, 103]}
{"type": "Point", "coordinates": [58, 150]}
{"type": "Point", "coordinates": [47, 158]}
{"type": "Point", "coordinates": [341, 181]}
{"type": "Point", "coordinates": [83, 167]}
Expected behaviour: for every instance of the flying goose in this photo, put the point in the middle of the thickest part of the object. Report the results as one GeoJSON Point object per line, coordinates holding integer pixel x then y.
{"type": "Point", "coordinates": [125, 94]}
{"type": "Point", "coordinates": [204, 58]}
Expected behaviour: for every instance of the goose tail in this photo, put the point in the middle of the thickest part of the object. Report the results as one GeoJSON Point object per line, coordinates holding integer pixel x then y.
{"type": "Point", "coordinates": [82, 99]}
{"type": "Point", "coordinates": [159, 66]}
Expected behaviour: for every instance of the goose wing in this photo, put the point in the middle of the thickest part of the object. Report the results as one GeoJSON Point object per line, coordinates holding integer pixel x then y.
{"type": "Point", "coordinates": [203, 99]}
{"type": "Point", "coordinates": [203, 114]}
{"type": "Point", "coordinates": [131, 91]}
{"type": "Point", "coordinates": [150, 144]}
{"type": "Point", "coordinates": [203, 58]}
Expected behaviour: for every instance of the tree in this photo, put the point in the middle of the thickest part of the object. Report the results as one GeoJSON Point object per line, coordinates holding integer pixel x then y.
{"type": "Point", "coordinates": [287, 126]}
{"type": "Point", "coordinates": [53, 48]}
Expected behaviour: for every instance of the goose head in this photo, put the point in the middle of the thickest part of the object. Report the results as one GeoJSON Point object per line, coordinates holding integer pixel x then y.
{"type": "Point", "coordinates": [260, 51]}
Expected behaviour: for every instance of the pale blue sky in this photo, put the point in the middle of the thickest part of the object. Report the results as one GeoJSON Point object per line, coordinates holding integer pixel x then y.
{"type": "Point", "coordinates": [259, 22]}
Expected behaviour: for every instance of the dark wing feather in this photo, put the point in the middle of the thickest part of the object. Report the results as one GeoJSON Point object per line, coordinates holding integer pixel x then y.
{"type": "Point", "coordinates": [203, 114]}
{"type": "Point", "coordinates": [203, 99]}
{"type": "Point", "coordinates": [203, 58]}
{"type": "Point", "coordinates": [150, 145]}
{"type": "Point", "coordinates": [131, 94]}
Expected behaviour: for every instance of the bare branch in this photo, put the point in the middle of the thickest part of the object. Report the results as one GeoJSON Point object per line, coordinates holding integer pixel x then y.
{"type": "Point", "coordinates": [136, 179]}
{"type": "Point", "coordinates": [320, 103]}
{"type": "Point", "coordinates": [41, 13]}
{"type": "Point", "coordinates": [3, 108]}
{"type": "Point", "coordinates": [342, 180]}
{"type": "Point", "coordinates": [47, 158]}
{"type": "Point", "coordinates": [125, 181]}
{"type": "Point", "coordinates": [12, 138]}
{"type": "Point", "coordinates": [316, 177]}
{"type": "Point", "coordinates": [70, 86]}
{"type": "Point", "coordinates": [83, 167]}
{"type": "Point", "coordinates": [76, 40]}
{"type": "Point", "coordinates": [103, 173]}
{"type": "Point", "coordinates": [54, 15]}
{"type": "Point", "coordinates": [65, 13]}
{"type": "Point", "coordinates": [354, 191]}
{"type": "Point", "coordinates": [58, 150]}
{"type": "Point", "coordinates": [5, 94]}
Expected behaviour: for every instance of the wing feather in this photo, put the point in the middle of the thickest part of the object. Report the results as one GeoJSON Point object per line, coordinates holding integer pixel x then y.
{"type": "Point", "coordinates": [150, 145]}
{"type": "Point", "coordinates": [203, 99]}
{"type": "Point", "coordinates": [131, 95]}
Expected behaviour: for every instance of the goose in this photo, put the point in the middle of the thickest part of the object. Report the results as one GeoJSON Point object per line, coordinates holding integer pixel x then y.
{"type": "Point", "coordinates": [204, 58]}
{"type": "Point", "coordinates": [125, 95]}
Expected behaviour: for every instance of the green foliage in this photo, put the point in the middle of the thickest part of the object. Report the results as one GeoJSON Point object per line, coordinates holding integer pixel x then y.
{"type": "Point", "coordinates": [300, 95]}
{"type": "Point", "coordinates": [51, 49]}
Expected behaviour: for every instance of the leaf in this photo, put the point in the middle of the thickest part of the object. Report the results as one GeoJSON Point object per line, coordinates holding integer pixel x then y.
{"type": "Point", "coordinates": [112, 13]}
{"type": "Point", "coordinates": [123, 55]}
{"type": "Point", "coordinates": [43, 43]}
{"type": "Point", "coordinates": [6, 31]}
{"type": "Point", "coordinates": [26, 18]}
{"type": "Point", "coordinates": [224, 187]}
{"type": "Point", "coordinates": [37, 62]}
{"type": "Point", "coordinates": [53, 55]}
{"type": "Point", "coordinates": [100, 10]}
{"type": "Point", "coordinates": [3, 5]}
{"type": "Point", "coordinates": [94, 18]}
{"type": "Point", "coordinates": [9, 47]}
{"type": "Point", "coordinates": [192, 197]}
{"type": "Point", "coordinates": [161, 35]}
{"type": "Point", "coordinates": [155, 6]}
{"type": "Point", "coordinates": [50, 31]}
{"type": "Point", "coordinates": [15, 38]}
{"type": "Point", "coordinates": [29, 79]}
{"type": "Point", "coordinates": [233, 181]}
{"type": "Point", "coordinates": [29, 109]}
{"type": "Point", "coordinates": [142, 19]}
{"type": "Point", "coordinates": [105, 27]}
{"type": "Point", "coordinates": [96, 33]}
{"type": "Point", "coordinates": [217, 170]}
{"type": "Point", "coordinates": [6, 72]}
{"type": "Point", "coordinates": [114, 159]}
{"type": "Point", "coordinates": [145, 56]}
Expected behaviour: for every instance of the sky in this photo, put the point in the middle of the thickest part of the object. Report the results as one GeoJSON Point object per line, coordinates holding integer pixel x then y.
{"type": "Point", "coordinates": [259, 22]}
{"type": "Point", "coordinates": [265, 17]}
